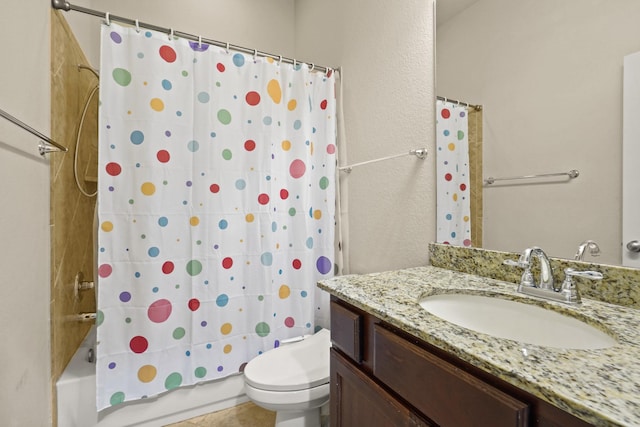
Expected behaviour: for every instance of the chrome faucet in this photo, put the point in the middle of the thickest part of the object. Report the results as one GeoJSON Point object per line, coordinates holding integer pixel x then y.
{"type": "Point", "coordinates": [546, 274]}
{"type": "Point", "coordinates": [593, 247]}
{"type": "Point", "coordinates": [545, 288]}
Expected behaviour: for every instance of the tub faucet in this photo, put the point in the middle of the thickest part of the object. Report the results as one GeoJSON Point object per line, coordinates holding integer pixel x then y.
{"type": "Point", "coordinates": [593, 247]}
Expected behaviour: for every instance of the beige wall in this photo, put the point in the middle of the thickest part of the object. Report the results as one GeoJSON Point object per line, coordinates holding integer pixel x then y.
{"type": "Point", "coordinates": [549, 75]}
{"type": "Point", "coordinates": [24, 221]}
{"type": "Point", "coordinates": [385, 52]}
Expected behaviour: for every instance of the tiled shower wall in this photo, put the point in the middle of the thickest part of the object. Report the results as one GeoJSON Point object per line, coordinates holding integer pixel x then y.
{"type": "Point", "coordinates": [476, 182]}
{"type": "Point", "coordinates": [71, 212]}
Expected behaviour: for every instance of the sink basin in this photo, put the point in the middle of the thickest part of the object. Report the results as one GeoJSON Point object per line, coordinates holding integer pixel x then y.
{"type": "Point", "coordinates": [517, 321]}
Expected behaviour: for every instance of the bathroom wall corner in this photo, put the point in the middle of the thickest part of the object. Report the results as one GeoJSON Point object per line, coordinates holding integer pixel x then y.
{"type": "Point", "coordinates": [71, 211]}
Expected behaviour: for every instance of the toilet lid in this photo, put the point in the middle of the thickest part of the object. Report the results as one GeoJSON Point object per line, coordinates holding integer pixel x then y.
{"type": "Point", "coordinates": [297, 366]}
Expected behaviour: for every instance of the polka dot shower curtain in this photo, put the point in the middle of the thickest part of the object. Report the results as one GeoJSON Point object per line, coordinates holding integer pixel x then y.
{"type": "Point", "coordinates": [453, 202]}
{"type": "Point", "coordinates": [216, 209]}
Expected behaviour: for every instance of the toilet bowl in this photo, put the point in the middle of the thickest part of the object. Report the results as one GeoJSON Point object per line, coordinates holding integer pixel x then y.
{"type": "Point", "coordinates": [292, 380]}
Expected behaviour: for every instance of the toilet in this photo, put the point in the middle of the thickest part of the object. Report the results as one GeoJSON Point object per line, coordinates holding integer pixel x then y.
{"type": "Point", "coordinates": [292, 380]}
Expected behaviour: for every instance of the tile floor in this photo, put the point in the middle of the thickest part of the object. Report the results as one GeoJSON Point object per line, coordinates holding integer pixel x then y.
{"type": "Point", "coordinates": [244, 415]}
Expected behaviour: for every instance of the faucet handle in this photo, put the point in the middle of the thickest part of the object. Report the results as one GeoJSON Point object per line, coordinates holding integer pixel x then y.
{"type": "Point", "coordinates": [527, 276]}
{"type": "Point", "coordinates": [523, 261]}
{"type": "Point", "coordinates": [569, 289]}
{"type": "Point", "coordinates": [514, 263]}
{"type": "Point", "coordinates": [593, 275]}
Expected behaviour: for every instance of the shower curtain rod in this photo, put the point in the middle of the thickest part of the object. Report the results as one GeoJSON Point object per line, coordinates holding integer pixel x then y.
{"type": "Point", "coordinates": [46, 146]}
{"type": "Point", "coordinates": [66, 6]}
{"type": "Point", "coordinates": [455, 101]}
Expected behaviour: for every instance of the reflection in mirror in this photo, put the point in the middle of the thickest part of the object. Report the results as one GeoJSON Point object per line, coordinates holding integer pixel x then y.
{"type": "Point", "coordinates": [549, 77]}
{"type": "Point", "coordinates": [459, 173]}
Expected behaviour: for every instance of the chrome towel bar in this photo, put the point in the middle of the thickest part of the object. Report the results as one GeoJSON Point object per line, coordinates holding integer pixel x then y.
{"type": "Point", "coordinates": [420, 153]}
{"type": "Point", "coordinates": [46, 146]}
{"type": "Point", "coordinates": [573, 173]}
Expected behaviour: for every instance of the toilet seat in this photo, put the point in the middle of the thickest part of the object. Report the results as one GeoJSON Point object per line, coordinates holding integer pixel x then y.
{"type": "Point", "coordinates": [297, 366]}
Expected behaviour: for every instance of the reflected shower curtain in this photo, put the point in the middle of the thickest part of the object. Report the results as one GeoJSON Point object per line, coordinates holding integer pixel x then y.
{"type": "Point", "coordinates": [453, 204]}
{"type": "Point", "coordinates": [216, 210]}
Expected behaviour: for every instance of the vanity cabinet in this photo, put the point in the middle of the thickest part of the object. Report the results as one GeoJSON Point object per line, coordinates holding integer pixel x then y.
{"type": "Point", "coordinates": [382, 376]}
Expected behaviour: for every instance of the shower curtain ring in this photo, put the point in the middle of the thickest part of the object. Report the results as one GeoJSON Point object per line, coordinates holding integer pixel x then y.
{"type": "Point", "coordinates": [294, 63]}
{"type": "Point", "coordinates": [227, 47]}
{"type": "Point", "coordinates": [199, 41]}
{"type": "Point", "coordinates": [171, 34]}
{"type": "Point", "coordinates": [107, 19]}
{"type": "Point", "coordinates": [255, 54]}
{"type": "Point", "coordinates": [137, 26]}
{"type": "Point", "coordinates": [312, 67]}
{"type": "Point", "coordinates": [280, 60]}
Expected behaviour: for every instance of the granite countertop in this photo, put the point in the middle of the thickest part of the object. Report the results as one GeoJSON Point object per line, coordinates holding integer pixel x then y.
{"type": "Point", "coordinates": [599, 386]}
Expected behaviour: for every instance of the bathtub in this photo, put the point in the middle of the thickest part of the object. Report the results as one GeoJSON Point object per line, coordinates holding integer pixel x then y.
{"type": "Point", "coordinates": [76, 395]}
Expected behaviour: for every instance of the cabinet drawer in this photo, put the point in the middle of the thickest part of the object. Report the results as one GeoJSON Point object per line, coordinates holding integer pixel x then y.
{"type": "Point", "coordinates": [444, 393]}
{"type": "Point", "coordinates": [346, 331]}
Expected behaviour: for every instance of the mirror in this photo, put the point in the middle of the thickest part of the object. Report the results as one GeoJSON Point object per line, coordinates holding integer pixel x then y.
{"type": "Point", "coordinates": [549, 77]}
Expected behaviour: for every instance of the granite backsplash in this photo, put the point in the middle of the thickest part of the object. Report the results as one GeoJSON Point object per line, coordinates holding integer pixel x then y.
{"type": "Point", "coordinates": [620, 285]}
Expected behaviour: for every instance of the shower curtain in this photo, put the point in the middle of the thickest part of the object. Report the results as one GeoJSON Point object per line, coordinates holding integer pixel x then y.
{"type": "Point", "coordinates": [216, 209]}
{"type": "Point", "coordinates": [453, 207]}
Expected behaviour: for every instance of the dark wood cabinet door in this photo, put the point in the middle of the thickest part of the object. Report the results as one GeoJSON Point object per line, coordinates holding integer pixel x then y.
{"type": "Point", "coordinates": [346, 331]}
{"type": "Point", "coordinates": [356, 400]}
